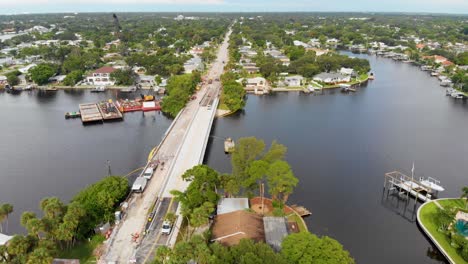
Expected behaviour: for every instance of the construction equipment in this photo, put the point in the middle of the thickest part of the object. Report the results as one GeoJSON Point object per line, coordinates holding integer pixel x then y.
{"type": "Point", "coordinates": [119, 34]}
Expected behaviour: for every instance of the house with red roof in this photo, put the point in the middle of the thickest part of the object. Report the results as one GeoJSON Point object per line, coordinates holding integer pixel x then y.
{"type": "Point", "coordinates": [439, 59]}
{"type": "Point", "coordinates": [101, 76]}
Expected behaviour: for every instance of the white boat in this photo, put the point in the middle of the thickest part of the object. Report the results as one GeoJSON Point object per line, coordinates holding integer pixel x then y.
{"type": "Point", "coordinates": [449, 91]}
{"type": "Point", "coordinates": [432, 183]}
{"type": "Point", "coordinates": [128, 90]}
{"type": "Point", "coordinates": [434, 74]}
{"type": "Point", "coordinates": [445, 82]}
{"type": "Point", "coordinates": [457, 95]}
{"type": "Point", "coordinates": [98, 89]}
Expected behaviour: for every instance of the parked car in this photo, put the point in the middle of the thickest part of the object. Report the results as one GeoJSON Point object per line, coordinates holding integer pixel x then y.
{"type": "Point", "coordinates": [166, 228]}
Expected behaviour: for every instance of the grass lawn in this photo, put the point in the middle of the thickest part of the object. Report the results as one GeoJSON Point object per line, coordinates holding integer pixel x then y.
{"type": "Point", "coordinates": [453, 203]}
{"type": "Point", "coordinates": [223, 106]}
{"type": "Point", "coordinates": [84, 250]}
{"type": "Point", "coordinates": [295, 218]}
{"type": "Point", "coordinates": [427, 215]}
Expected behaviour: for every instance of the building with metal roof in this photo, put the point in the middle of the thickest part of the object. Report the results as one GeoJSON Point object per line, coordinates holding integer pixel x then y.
{"type": "Point", "coordinates": [276, 230]}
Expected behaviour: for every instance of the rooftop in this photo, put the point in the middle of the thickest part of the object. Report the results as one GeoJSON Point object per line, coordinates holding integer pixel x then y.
{"type": "Point", "coordinates": [105, 69]}
{"type": "Point", "coordinates": [228, 229]}
{"type": "Point", "coordinates": [275, 231]}
{"type": "Point", "coordinates": [228, 205]}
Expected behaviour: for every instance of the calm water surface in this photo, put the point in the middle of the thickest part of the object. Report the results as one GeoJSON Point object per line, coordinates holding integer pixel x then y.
{"type": "Point", "coordinates": [340, 146]}
{"type": "Point", "coordinates": [42, 154]}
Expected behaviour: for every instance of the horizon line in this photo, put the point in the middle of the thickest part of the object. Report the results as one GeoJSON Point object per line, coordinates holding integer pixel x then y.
{"type": "Point", "coordinates": [233, 12]}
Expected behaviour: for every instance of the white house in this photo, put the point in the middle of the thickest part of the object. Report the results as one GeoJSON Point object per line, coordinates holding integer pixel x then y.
{"type": "Point", "coordinates": [346, 71]}
{"type": "Point", "coordinates": [294, 81]}
{"type": "Point", "coordinates": [332, 78]}
{"type": "Point", "coordinates": [298, 43]}
{"type": "Point", "coordinates": [101, 76]}
{"type": "Point", "coordinates": [257, 82]}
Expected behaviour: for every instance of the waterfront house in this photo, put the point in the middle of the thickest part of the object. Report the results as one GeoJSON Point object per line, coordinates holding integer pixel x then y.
{"type": "Point", "coordinates": [276, 229]}
{"type": "Point", "coordinates": [331, 78]}
{"type": "Point", "coordinates": [294, 81]}
{"type": "Point", "coordinates": [3, 80]}
{"type": "Point", "coordinates": [101, 76]}
{"type": "Point", "coordinates": [193, 64]}
{"type": "Point", "coordinates": [229, 228]}
{"type": "Point", "coordinates": [256, 82]}
{"type": "Point", "coordinates": [57, 79]}
{"type": "Point", "coordinates": [346, 71]}
{"type": "Point", "coordinates": [228, 205]}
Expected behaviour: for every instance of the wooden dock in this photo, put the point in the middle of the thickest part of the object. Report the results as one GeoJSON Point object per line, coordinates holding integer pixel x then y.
{"type": "Point", "coordinates": [90, 113]}
{"type": "Point", "coordinates": [407, 186]}
{"type": "Point", "coordinates": [109, 110]}
{"type": "Point", "coordinates": [301, 210]}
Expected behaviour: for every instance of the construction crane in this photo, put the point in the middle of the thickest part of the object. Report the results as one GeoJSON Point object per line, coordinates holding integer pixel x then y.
{"type": "Point", "coordinates": [119, 34]}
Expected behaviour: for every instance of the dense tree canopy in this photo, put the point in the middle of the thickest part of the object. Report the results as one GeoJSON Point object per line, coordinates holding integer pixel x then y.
{"type": "Point", "coordinates": [42, 72]}
{"type": "Point", "coordinates": [304, 248]}
{"type": "Point", "coordinates": [179, 89]}
{"type": "Point", "coordinates": [62, 225]}
{"type": "Point", "coordinates": [124, 76]}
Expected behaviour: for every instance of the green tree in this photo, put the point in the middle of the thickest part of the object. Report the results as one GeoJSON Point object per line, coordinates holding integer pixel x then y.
{"type": "Point", "coordinates": [247, 150]}
{"type": "Point", "coordinates": [305, 248]}
{"type": "Point", "coordinates": [42, 72]}
{"type": "Point", "coordinates": [465, 195]}
{"type": "Point", "coordinates": [124, 76]}
{"type": "Point", "coordinates": [73, 78]}
{"type": "Point", "coordinates": [12, 79]}
{"type": "Point", "coordinates": [281, 180]}
{"type": "Point", "coordinates": [40, 256]}
{"type": "Point", "coordinates": [5, 210]}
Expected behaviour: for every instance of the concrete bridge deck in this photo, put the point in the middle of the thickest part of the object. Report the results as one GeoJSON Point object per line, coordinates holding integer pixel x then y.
{"type": "Point", "coordinates": [182, 148]}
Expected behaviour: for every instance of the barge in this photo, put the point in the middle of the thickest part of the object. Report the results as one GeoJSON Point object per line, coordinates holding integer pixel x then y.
{"type": "Point", "coordinates": [109, 110]}
{"type": "Point", "coordinates": [129, 105]}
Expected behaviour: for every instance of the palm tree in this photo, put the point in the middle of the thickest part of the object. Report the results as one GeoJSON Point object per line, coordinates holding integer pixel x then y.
{"type": "Point", "coordinates": [6, 210]}
{"type": "Point", "coordinates": [465, 196]}
{"type": "Point", "coordinates": [2, 218]}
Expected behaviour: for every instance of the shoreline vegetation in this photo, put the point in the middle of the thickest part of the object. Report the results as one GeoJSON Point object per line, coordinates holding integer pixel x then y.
{"type": "Point", "coordinates": [67, 229]}
{"type": "Point", "coordinates": [436, 220]}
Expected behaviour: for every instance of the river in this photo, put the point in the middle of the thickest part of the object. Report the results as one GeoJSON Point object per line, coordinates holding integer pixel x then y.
{"type": "Point", "coordinates": [42, 154]}
{"type": "Point", "coordinates": [339, 146]}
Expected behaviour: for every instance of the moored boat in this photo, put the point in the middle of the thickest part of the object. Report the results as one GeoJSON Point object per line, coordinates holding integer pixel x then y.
{"type": "Point", "coordinates": [128, 90]}
{"type": "Point", "coordinates": [229, 145]}
{"type": "Point", "coordinates": [72, 115]}
{"type": "Point", "coordinates": [98, 89]}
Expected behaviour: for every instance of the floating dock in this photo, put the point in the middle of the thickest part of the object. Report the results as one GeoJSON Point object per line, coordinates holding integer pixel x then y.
{"type": "Point", "coordinates": [90, 113]}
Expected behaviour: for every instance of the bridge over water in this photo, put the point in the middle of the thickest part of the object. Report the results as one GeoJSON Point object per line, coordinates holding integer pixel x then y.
{"type": "Point", "coordinates": [182, 147]}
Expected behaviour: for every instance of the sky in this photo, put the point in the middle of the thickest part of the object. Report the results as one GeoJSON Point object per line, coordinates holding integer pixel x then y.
{"type": "Point", "coordinates": [56, 6]}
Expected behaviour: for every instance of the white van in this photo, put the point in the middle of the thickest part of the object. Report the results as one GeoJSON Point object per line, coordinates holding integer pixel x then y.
{"type": "Point", "coordinates": [148, 173]}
